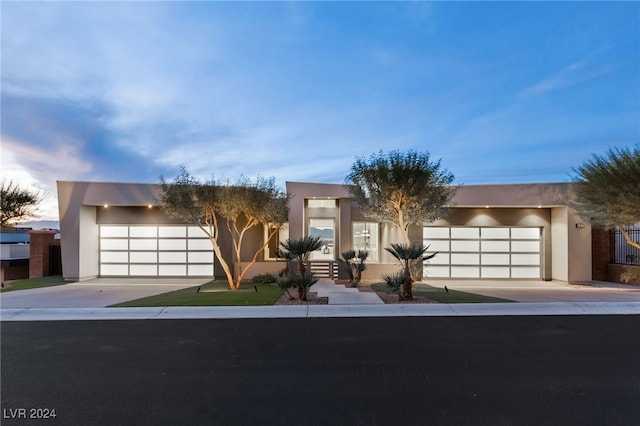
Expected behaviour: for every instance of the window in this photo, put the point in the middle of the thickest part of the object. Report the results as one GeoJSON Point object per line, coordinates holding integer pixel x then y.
{"type": "Point", "coordinates": [280, 236]}
{"type": "Point", "coordinates": [322, 203]}
{"type": "Point", "coordinates": [365, 237]}
{"type": "Point", "coordinates": [323, 228]}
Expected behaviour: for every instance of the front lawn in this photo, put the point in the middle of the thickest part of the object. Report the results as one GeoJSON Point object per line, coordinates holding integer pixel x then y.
{"type": "Point", "coordinates": [28, 283]}
{"type": "Point", "coordinates": [214, 293]}
{"type": "Point", "coordinates": [441, 296]}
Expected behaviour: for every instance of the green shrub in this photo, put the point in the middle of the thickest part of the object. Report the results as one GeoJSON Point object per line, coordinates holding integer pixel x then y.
{"type": "Point", "coordinates": [265, 278]}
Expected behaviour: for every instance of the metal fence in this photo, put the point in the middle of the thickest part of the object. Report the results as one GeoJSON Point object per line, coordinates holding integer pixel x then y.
{"type": "Point", "coordinates": [621, 251]}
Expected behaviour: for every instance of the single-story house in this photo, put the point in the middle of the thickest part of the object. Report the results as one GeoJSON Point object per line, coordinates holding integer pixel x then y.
{"type": "Point", "coordinates": [519, 231]}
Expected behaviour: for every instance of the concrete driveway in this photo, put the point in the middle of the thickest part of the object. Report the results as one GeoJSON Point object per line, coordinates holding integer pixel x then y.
{"type": "Point", "coordinates": [546, 291]}
{"type": "Point", "coordinates": [96, 293]}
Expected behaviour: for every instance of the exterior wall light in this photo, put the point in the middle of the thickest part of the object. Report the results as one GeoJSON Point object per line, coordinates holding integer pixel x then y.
{"type": "Point", "coordinates": [106, 205]}
{"type": "Point", "coordinates": [150, 206]}
{"type": "Point", "coordinates": [579, 225]}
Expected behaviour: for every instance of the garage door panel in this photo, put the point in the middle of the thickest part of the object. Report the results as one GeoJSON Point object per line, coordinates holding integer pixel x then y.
{"type": "Point", "coordinates": [114, 270]}
{"type": "Point", "coordinates": [113, 244]}
{"type": "Point", "coordinates": [114, 231]}
{"type": "Point", "coordinates": [436, 245]}
{"type": "Point", "coordinates": [143, 257]}
{"type": "Point", "coordinates": [495, 259]}
{"type": "Point", "coordinates": [525, 233]}
{"type": "Point", "coordinates": [494, 272]}
{"type": "Point", "coordinates": [484, 252]}
{"type": "Point", "coordinates": [200, 245]}
{"type": "Point", "coordinates": [437, 271]}
{"type": "Point", "coordinates": [202, 270]}
{"type": "Point", "coordinates": [176, 244]}
{"type": "Point", "coordinates": [172, 270]}
{"type": "Point", "coordinates": [172, 231]}
{"type": "Point", "coordinates": [143, 270]}
{"type": "Point", "coordinates": [465, 272]}
{"type": "Point", "coordinates": [465, 258]}
{"type": "Point", "coordinates": [172, 257]}
{"type": "Point", "coordinates": [154, 251]}
{"type": "Point", "coordinates": [495, 246]}
{"type": "Point", "coordinates": [114, 256]}
{"type": "Point", "coordinates": [525, 259]}
{"type": "Point", "coordinates": [525, 246]}
{"type": "Point", "coordinates": [439, 259]}
{"type": "Point", "coordinates": [525, 272]}
{"type": "Point", "coordinates": [201, 257]}
{"type": "Point", "coordinates": [143, 244]}
{"type": "Point", "coordinates": [143, 232]}
{"type": "Point", "coordinates": [466, 233]}
{"type": "Point", "coordinates": [466, 246]}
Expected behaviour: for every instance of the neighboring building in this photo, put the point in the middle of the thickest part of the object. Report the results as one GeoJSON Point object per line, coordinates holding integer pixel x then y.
{"type": "Point", "coordinates": [14, 253]}
{"type": "Point", "coordinates": [522, 231]}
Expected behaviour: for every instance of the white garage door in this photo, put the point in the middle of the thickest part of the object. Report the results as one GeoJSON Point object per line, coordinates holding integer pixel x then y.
{"type": "Point", "coordinates": [154, 251]}
{"type": "Point", "coordinates": [483, 252]}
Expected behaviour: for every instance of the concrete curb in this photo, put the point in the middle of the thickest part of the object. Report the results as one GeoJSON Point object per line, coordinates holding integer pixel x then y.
{"type": "Point", "coordinates": [322, 311]}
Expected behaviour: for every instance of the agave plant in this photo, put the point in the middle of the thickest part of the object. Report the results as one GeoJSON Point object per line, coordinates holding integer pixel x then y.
{"type": "Point", "coordinates": [409, 255]}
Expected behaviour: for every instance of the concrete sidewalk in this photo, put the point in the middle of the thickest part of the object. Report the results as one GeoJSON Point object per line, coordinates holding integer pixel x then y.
{"type": "Point", "coordinates": [338, 294]}
{"type": "Point", "coordinates": [323, 311]}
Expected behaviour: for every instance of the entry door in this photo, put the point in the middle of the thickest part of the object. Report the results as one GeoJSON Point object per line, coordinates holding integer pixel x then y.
{"type": "Point", "coordinates": [325, 229]}
{"type": "Point", "coordinates": [484, 252]}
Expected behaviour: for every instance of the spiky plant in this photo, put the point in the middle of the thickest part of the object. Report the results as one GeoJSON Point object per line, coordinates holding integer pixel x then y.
{"type": "Point", "coordinates": [408, 255]}
{"type": "Point", "coordinates": [301, 248]}
{"type": "Point", "coordinates": [352, 263]}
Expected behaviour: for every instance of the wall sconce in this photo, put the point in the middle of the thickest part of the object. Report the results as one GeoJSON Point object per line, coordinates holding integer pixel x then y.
{"type": "Point", "coordinates": [579, 225]}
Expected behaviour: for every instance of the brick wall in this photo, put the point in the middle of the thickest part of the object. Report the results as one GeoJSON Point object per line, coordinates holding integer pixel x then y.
{"type": "Point", "coordinates": [600, 254]}
{"type": "Point", "coordinates": [39, 258]}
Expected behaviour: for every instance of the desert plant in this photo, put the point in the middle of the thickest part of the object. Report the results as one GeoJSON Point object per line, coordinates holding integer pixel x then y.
{"type": "Point", "coordinates": [300, 249]}
{"type": "Point", "coordinates": [394, 280]}
{"type": "Point", "coordinates": [409, 255]}
{"type": "Point", "coordinates": [303, 281]}
{"type": "Point", "coordinates": [285, 282]}
{"type": "Point", "coordinates": [353, 264]}
{"type": "Point", "coordinates": [630, 273]}
{"type": "Point", "coordinates": [265, 278]}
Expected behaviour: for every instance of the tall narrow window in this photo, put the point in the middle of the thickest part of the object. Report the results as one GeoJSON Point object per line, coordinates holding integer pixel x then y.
{"type": "Point", "coordinates": [365, 237]}
{"type": "Point", "coordinates": [281, 235]}
{"type": "Point", "coordinates": [323, 228]}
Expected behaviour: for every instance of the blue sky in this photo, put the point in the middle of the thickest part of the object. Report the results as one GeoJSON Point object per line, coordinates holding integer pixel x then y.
{"type": "Point", "coordinates": [126, 91]}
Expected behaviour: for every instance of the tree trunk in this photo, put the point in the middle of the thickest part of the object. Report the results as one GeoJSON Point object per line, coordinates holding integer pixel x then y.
{"type": "Point", "coordinates": [407, 293]}
{"type": "Point", "coordinates": [627, 237]}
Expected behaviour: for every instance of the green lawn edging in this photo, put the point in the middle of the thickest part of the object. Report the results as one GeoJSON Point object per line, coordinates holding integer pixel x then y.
{"type": "Point", "coordinates": [214, 293]}
{"type": "Point", "coordinates": [29, 283]}
{"type": "Point", "coordinates": [440, 295]}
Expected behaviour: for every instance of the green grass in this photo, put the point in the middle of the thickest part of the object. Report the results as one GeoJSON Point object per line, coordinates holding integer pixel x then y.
{"type": "Point", "coordinates": [215, 293]}
{"type": "Point", "coordinates": [28, 283]}
{"type": "Point", "coordinates": [441, 296]}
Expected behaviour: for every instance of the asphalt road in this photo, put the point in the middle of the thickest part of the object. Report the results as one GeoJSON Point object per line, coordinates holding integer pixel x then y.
{"type": "Point", "coordinates": [564, 370]}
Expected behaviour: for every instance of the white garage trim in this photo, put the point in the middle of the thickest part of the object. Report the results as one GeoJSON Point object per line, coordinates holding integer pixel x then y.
{"type": "Point", "coordinates": [155, 251]}
{"type": "Point", "coordinates": [483, 252]}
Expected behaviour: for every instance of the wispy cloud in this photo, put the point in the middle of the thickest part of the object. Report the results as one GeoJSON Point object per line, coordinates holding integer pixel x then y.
{"type": "Point", "coordinates": [569, 76]}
